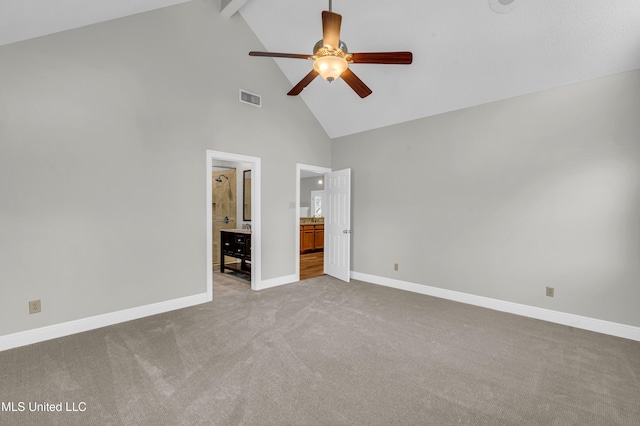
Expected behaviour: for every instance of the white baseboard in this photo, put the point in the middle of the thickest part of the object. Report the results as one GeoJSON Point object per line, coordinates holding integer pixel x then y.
{"type": "Point", "coordinates": [275, 282]}
{"type": "Point", "coordinates": [78, 326]}
{"type": "Point", "coordinates": [28, 337]}
{"type": "Point", "coordinates": [577, 321]}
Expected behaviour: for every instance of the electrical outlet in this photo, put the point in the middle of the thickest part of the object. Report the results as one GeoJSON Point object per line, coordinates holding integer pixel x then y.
{"type": "Point", "coordinates": [395, 266]}
{"type": "Point", "coordinates": [550, 291]}
{"type": "Point", "coordinates": [35, 306]}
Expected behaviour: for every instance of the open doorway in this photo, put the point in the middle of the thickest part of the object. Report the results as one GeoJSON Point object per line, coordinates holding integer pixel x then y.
{"type": "Point", "coordinates": [233, 223]}
{"type": "Point", "coordinates": [310, 221]}
{"type": "Point", "coordinates": [231, 236]}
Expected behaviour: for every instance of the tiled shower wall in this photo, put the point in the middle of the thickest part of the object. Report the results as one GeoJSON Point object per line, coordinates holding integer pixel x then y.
{"type": "Point", "coordinates": [223, 204]}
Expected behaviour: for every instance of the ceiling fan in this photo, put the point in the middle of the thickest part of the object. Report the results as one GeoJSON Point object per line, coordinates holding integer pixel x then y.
{"type": "Point", "coordinates": [331, 59]}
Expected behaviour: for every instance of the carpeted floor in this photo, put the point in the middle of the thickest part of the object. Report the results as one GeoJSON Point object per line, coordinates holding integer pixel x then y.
{"type": "Point", "coordinates": [230, 283]}
{"type": "Point", "coordinates": [323, 352]}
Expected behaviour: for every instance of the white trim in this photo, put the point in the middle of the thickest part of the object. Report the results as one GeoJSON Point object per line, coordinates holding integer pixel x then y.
{"type": "Point", "coordinates": [571, 320]}
{"type": "Point", "coordinates": [275, 282]}
{"type": "Point", "coordinates": [36, 335]}
{"type": "Point", "coordinates": [256, 209]}
{"type": "Point", "coordinates": [299, 168]}
{"type": "Point", "coordinates": [229, 7]}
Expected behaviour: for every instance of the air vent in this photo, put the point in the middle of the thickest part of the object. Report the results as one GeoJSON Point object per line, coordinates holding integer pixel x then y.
{"type": "Point", "coordinates": [250, 98]}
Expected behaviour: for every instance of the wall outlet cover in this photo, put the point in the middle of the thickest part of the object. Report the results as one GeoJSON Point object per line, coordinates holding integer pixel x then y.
{"type": "Point", "coordinates": [35, 306]}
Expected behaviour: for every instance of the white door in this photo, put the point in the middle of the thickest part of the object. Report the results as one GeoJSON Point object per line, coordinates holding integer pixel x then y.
{"type": "Point", "coordinates": [337, 224]}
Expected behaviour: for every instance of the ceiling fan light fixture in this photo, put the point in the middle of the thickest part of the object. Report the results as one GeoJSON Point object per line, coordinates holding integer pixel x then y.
{"type": "Point", "coordinates": [330, 67]}
{"type": "Point", "coordinates": [332, 62]}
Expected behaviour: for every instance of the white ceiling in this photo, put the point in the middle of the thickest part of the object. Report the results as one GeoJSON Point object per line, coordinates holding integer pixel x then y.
{"type": "Point", "coordinates": [466, 52]}
{"type": "Point", "coordinates": [25, 19]}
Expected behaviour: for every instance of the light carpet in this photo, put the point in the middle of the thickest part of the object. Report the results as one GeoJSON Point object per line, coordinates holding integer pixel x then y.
{"type": "Point", "coordinates": [324, 352]}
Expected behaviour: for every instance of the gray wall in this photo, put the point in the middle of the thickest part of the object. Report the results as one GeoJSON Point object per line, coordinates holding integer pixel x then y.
{"type": "Point", "coordinates": [103, 139]}
{"type": "Point", "coordinates": [306, 186]}
{"type": "Point", "coordinates": [504, 199]}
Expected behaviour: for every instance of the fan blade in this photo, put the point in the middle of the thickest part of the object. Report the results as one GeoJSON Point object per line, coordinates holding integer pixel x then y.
{"type": "Point", "coordinates": [303, 83]}
{"type": "Point", "coordinates": [400, 58]}
{"type": "Point", "coordinates": [331, 29]}
{"type": "Point", "coordinates": [355, 83]}
{"type": "Point", "coordinates": [280, 55]}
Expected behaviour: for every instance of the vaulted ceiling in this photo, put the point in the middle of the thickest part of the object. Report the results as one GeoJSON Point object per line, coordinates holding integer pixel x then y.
{"type": "Point", "coordinates": [466, 52]}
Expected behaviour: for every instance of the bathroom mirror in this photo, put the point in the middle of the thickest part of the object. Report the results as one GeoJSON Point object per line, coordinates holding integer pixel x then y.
{"type": "Point", "coordinates": [246, 195]}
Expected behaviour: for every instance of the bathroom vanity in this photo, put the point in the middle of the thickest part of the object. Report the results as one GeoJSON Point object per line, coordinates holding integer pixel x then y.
{"type": "Point", "coordinates": [236, 243]}
{"type": "Point", "coordinates": [311, 234]}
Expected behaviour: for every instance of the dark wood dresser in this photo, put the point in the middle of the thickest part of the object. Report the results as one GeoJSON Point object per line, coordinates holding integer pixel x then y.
{"type": "Point", "coordinates": [236, 243]}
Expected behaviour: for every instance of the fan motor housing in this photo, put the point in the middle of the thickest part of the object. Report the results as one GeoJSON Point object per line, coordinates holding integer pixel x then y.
{"type": "Point", "coordinates": [320, 45]}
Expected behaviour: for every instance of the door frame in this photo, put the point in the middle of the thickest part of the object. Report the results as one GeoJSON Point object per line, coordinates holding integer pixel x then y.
{"type": "Point", "coordinates": [299, 169]}
{"type": "Point", "coordinates": [256, 241]}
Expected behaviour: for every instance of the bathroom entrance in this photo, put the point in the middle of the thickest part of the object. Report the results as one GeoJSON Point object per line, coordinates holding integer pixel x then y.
{"type": "Point", "coordinates": [233, 223]}
{"type": "Point", "coordinates": [223, 206]}
{"type": "Point", "coordinates": [328, 216]}
{"type": "Point", "coordinates": [310, 221]}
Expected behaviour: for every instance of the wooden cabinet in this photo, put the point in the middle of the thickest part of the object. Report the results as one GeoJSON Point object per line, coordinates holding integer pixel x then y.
{"type": "Point", "coordinates": [318, 237]}
{"type": "Point", "coordinates": [311, 238]}
{"type": "Point", "coordinates": [308, 238]}
{"type": "Point", "coordinates": [236, 243]}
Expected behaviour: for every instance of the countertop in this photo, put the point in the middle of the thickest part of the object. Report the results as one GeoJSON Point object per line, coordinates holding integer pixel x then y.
{"type": "Point", "coordinates": [237, 231]}
{"type": "Point", "coordinates": [312, 221]}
